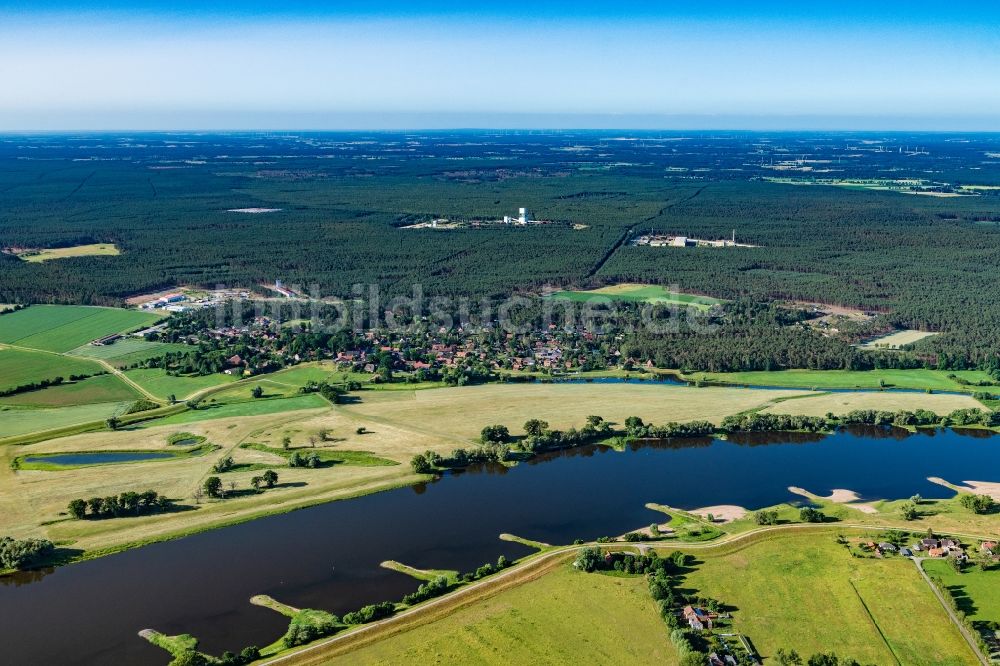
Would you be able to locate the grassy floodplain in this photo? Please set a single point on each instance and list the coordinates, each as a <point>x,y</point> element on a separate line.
<point>562,617</point>
<point>61,328</point>
<point>793,590</point>
<point>644,293</point>
<point>936,380</point>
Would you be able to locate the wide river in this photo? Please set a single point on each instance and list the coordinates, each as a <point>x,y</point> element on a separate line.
<point>328,556</point>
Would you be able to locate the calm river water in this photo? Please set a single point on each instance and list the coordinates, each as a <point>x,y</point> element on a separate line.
<point>327,556</point>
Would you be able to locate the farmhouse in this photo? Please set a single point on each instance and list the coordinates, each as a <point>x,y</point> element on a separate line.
<point>697,618</point>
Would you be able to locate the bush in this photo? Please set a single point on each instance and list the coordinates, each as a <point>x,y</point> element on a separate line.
<point>765,517</point>
<point>977,503</point>
<point>495,434</point>
<point>809,515</point>
<point>370,613</point>
<point>18,554</point>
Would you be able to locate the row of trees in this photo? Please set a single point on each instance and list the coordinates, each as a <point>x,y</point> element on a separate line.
<point>213,486</point>
<point>44,383</point>
<point>115,506</point>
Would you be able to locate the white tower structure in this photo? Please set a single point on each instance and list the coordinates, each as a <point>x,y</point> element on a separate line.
<point>523,217</point>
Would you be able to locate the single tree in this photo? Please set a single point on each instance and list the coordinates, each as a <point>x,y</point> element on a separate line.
<point>78,508</point>
<point>270,478</point>
<point>213,486</point>
<point>257,392</point>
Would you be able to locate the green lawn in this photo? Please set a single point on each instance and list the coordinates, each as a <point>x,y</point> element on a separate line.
<point>806,592</point>
<point>105,388</point>
<point>162,385</point>
<point>250,408</point>
<point>977,592</point>
<point>21,420</point>
<point>19,366</point>
<point>639,292</point>
<point>61,328</point>
<point>846,379</point>
<point>564,617</point>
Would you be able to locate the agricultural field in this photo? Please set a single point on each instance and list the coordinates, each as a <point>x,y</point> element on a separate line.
<point>101,389</point>
<point>643,293</point>
<point>936,380</point>
<point>21,420</point>
<point>22,366</point>
<point>162,385</point>
<point>808,594</point>
<point>133,349</point>
<point>92,250</point>
<point>563,617</point>
<point>61,328</point>
<point>897,339</point>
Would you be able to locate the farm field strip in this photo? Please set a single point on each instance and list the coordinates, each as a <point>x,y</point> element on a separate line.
<point>22,366</point>
<point>22,420</point>
<point>63,328</point>
<point>126,347</point>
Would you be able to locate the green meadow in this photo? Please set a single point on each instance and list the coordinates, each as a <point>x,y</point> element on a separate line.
<point>162,385</point>
<point>936,380</point>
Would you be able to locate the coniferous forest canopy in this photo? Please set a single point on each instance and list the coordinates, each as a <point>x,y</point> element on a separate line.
<point>927,260</point>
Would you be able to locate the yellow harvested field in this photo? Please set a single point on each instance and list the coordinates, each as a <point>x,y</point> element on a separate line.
<point>897,339</point>
<point>461,413</point>
<point>840,403</point>
<point>93,250</point>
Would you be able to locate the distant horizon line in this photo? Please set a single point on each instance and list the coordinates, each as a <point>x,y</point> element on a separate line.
<point>644,130</point>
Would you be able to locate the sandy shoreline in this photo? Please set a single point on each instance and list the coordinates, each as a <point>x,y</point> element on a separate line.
<point>991,488</point>
<point>840,496</point>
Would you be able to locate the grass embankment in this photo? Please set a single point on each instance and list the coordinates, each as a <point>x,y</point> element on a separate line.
<point>419,574</point>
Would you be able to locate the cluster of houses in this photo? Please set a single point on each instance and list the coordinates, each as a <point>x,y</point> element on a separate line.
<point>552,350</point>
<point>932,547</point>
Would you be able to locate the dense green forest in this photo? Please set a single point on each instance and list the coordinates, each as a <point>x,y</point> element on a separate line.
<point>925,261</point>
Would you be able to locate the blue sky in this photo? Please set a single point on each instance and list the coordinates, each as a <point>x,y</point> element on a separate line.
<point>316,65</point>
